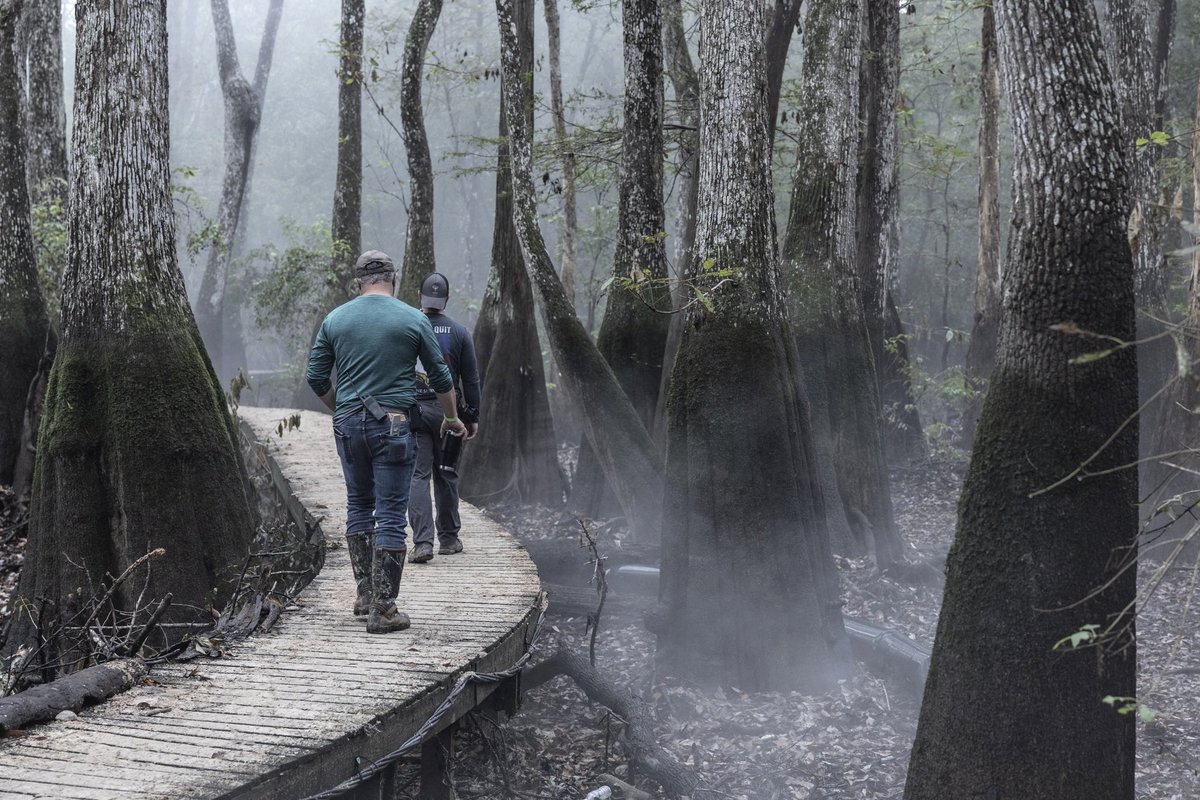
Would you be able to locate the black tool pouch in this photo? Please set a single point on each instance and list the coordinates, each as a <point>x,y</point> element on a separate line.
<point>373,407</point>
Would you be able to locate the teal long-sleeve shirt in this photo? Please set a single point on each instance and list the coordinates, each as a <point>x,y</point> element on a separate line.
<point>374,342</point>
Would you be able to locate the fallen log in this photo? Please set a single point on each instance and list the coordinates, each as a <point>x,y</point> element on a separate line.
<point>70,693</point>
<point>644,750</point>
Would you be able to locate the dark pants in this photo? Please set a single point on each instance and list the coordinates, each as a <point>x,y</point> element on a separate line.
<point>445,484</point>
<point>377,463</point>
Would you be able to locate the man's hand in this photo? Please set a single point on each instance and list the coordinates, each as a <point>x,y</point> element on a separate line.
<point>472,429</point>
<point>455,426</point>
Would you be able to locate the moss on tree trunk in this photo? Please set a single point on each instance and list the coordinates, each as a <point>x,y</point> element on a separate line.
<point>137,449</point>
<point>1005,713</point>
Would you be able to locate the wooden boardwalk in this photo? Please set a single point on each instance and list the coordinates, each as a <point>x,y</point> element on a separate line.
<point>298,710</point>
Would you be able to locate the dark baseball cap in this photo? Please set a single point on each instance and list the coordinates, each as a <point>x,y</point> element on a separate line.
<point>435,291</point>
<point>373,262</point>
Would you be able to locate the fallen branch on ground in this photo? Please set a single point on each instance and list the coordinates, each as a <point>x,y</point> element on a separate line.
<point>71,693</point>
<point>644,750</point>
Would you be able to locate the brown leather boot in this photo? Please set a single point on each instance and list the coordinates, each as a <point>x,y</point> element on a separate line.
<point>386,570</point>
<point>361,547</point>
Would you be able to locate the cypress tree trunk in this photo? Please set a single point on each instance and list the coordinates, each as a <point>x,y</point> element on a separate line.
<point>23,321</point>
<point>878,229</point>
<point>686,85</point>
<point>981,353</point>
<point>39,63</point>
<point>243,111</point>
<point>419,258</point>
<point>138,450</point>
<point>1004,713</point>
<point>346,223</point>
<point>1140,82</point>
<point>749,588</point>
<point>515,455</point>
<point>567,156</point>
<point>820,251</point>
<point>1175,440</point>
<point>633,335</point>
<point>629,460</point>
<point>779,41</point>
<point>45,109</point>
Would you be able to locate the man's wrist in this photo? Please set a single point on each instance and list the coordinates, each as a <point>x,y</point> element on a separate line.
<point>449,419</point>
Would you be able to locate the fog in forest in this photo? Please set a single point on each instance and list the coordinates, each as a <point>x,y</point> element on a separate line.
<point>871,434</point>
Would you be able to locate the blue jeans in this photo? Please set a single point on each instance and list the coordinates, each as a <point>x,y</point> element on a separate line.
<point>377,463</point>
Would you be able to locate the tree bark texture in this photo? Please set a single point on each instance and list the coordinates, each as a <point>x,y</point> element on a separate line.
<point>567,156</point>
<point>243,111</point>
<point>820,251</point>
<point>1029,568</point>
<point>23,320</point>
<point>686,86</point>
<point>515,456</point>
<point>981,352</point>
<point>1133,49</point>
<point>138,450</point>
<point>419,257</point>
<point>879,229</point>
<point>749,590</point>
<point>779,42</point>
<point>630,462</point>
<point>40,62</point>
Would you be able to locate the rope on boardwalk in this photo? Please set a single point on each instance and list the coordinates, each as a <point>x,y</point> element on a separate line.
<point>431,724</point>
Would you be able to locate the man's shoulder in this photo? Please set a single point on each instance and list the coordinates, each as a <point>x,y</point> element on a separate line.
<point>443,323</point>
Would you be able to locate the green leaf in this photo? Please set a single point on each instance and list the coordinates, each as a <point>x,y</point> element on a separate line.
<point>705,300</point>
<point>1147,714</point>
<point>1088,358</point>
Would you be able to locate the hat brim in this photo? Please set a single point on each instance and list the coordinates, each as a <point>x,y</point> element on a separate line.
<point>433,302</point>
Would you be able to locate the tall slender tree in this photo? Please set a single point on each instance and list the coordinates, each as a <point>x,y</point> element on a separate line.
<point>138,450</point>
<point>821,252</point>
<point>1035,557</point>
<point>243,112</point>
<point>630,462</point>
<point>419,258</point>
<point>981,352</point>
<point>570,225</point>
<point>346,227</point>
<point>749,588</point>
<point>346,223</point>
<point>878,228</point>
<point>1134,48</point>
<point>23,320</point>
<point>515,455</point>
<point>686,86</point>
<point>40,62</point>
<point>779,41</point>
<point>633,335</point>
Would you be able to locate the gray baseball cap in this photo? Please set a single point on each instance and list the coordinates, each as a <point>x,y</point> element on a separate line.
<point>373,262</point>
<point>435,291</point>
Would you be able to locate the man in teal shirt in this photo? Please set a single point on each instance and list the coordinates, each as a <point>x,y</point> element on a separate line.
<point>374,341</point>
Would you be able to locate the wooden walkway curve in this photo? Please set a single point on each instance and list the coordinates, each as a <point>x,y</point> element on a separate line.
<point>293,712</point>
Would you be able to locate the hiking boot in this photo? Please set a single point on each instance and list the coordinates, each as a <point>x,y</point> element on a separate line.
<point>450,546</point>
<point>422,552</point>
<point>361,547</point>
<point>386,570</point>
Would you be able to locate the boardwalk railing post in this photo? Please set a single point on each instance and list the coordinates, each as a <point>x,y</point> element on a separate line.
<point>436,754</point>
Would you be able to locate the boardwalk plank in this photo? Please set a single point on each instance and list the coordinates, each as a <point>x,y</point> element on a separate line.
<point>291,710</point>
